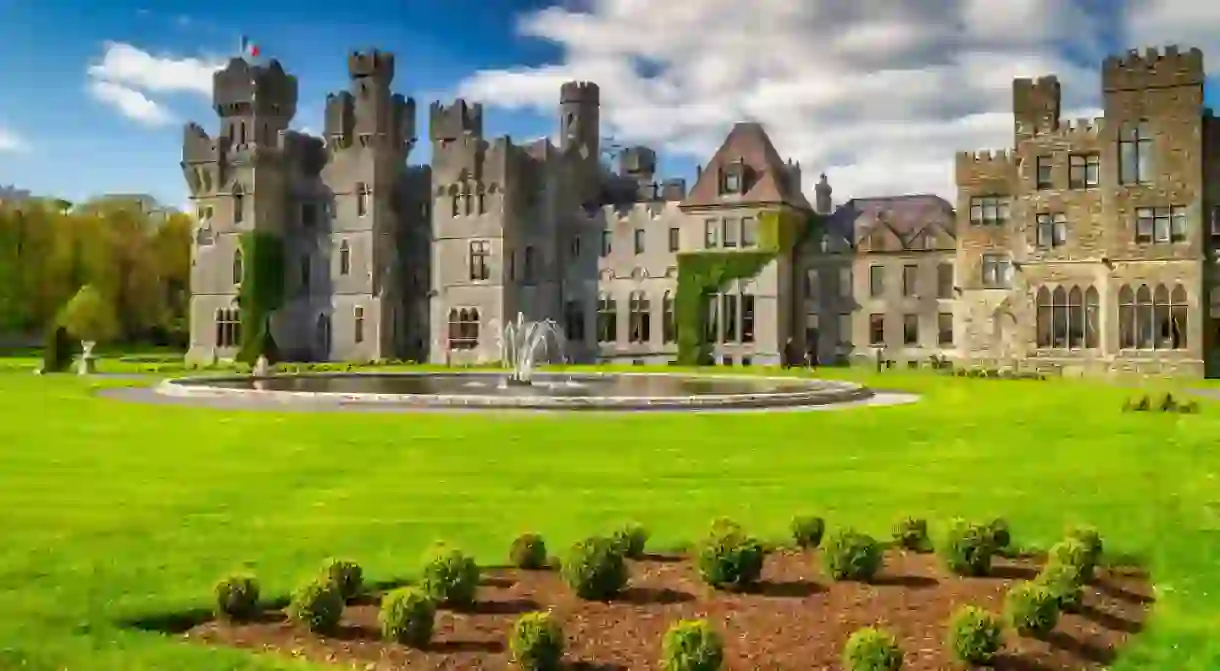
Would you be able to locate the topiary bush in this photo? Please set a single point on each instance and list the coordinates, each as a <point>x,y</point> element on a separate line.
<point>450,578</point>
<point>407,616</point>
<point>911,533</point>
<point>528,552</point>
<point>1075,554</point>
<point>536,642</point>
<point>347,576</point>
<point>1001,535</point>
<point>318,606</point>
<point>974,636</point>
<point>692,645</point>
<point>1091,539</point>
<point>595,569</point>
<point>237,597</point>
<point>807,531</point>
<point>1064,583</point>
<point>968,548</point>
<point>851,555</point>
<point>871,649</point>
<point>1031,610</point>
<point>728,558</point>
<point>631,539</point>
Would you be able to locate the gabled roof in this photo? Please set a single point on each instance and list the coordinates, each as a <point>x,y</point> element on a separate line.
<point>905,216</point>
<point>748,142</point>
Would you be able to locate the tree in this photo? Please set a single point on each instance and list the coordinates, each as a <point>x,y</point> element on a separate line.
<point>89,316</point>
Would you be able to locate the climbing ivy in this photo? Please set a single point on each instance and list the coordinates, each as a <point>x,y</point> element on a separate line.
<point>705,272</point>
<point>261,293</point>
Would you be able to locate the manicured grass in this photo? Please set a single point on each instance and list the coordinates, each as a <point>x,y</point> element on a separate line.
<point>116,511</point>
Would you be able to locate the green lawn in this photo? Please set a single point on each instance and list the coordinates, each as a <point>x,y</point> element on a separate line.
<point>115,511</point>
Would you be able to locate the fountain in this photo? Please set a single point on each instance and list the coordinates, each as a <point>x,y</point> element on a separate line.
<point>523,345</point>
<point>522,341</point>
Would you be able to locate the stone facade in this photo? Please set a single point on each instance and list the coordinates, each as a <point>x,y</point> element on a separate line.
<point>1084,247</point>
<point>1042,261</point>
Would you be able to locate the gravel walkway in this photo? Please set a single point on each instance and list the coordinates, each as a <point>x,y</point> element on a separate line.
<point>150,395</point>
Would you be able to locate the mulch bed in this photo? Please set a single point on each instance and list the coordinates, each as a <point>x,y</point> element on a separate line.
<point>797,619</point>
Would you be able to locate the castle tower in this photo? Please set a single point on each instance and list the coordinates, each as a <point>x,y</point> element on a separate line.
<point>580,139</point>
<point>370,132</point>
<point>238,183</point>
<point>1035,106</point>
<point>822,203</point>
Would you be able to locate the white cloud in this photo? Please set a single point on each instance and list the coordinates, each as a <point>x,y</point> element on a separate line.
<point>10,141</point>
<point>131,103</point>
<point>135,68</point>
<point>878,94</point>
<point>125,76</point>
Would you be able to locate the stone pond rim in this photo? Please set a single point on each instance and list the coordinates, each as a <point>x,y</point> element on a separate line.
<point>481,390</point>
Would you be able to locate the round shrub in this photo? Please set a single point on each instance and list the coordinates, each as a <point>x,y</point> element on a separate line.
<point>974,636</point>
<point>911,533</point>
<point>1075,554</point>
<point>450,578</point>
<point>692,645</point>
<point>1031,610</point>
<point>1064,583</point>
<point>347,576</point>
<point>631,539</point>
<point>407,617</point>
<point>536,642</point>
<point>728,558</point>
<point>872,649</point>
<point>528,551</point>
<point>1001,535</point>
<point>595,569</point>
<point>1091,539</point>
<point>968,548</point>
<point>807,531</point>
<point>318,606</point>
<point>237,597</point>
<point>851,555</point>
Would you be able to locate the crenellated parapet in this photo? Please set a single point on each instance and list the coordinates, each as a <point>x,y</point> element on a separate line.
<point>241,87</point>
<point>987,164</point>
<point>198,146</point>
<point>340,118</point>
<point>447,123</point>
<point>1076,129</point>
<point>373,64</point>
<point>1153,68</point>
<point>580,92</point>
<point>402,119</point>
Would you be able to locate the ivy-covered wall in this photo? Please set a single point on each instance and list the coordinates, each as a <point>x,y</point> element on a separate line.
<point>705,272</point>
<point>261,293</point>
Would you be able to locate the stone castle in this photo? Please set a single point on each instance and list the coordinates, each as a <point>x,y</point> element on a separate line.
<point>1083,248</point>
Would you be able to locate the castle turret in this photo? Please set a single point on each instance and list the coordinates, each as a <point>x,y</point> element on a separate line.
<point>254,102</point>
<point>580,117</point>
<point>1035,106</point>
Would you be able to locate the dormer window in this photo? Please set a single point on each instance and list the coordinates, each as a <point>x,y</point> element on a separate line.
<point>732,182</point>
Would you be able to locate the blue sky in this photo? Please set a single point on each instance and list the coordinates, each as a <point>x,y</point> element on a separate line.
<point>78,146</point>
<point>878,94</point>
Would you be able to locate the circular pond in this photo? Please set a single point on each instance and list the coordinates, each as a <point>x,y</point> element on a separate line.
<point>546,391</point>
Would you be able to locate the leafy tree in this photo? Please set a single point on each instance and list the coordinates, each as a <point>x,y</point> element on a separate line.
<point>89,316</point>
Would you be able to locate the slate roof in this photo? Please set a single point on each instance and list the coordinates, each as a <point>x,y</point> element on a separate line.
<point>906,216</point>
<point>749,143</point>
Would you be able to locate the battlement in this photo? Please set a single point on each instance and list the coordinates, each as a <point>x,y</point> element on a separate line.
<point>1153,68</point>
<point>994,156</point>
<point>450,122</point>
<point>1080,127</point>
<point>241,87</point>
<point>198,146</point>
<point>580,92</point>
<point>373,63</point>
<point>638,160</point>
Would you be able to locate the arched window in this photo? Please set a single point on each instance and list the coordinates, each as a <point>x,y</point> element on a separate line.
<point>321,334</point>
<point>345,258</point>
<point>1178,314</point>
<point>482,198</point>
<point>362,199</point>
<point>669,324</point>
<point>574,321</point>
<point>639,317</point>
<point>1044,317</point>
<point>607,319</point>
<point>463,328</point>
<point>238,266</point>
<point>1143,318</point>
<point>1126,318</point>
<point>1092,318</point>
<point>1059,325</point>
<point>1075,318</point>
<point>358,324</point>
<point>455,200</point>
<point>239,204</point>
